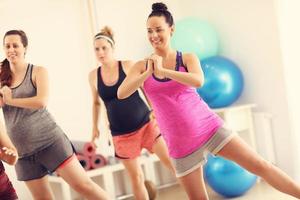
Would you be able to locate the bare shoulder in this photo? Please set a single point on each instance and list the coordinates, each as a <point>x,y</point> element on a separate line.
<point>39,73</point>
<point>136,67</point>
<point>187,57</point>
<point>93,74</point>
<point>140,65</point>
<point>39,70</point>
<point>127,64</point>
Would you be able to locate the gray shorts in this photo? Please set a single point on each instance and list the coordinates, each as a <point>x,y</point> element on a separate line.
<point>191,162</point>
<point>45,161</point>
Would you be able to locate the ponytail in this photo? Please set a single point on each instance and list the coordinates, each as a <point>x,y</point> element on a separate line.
<point>5,73</point>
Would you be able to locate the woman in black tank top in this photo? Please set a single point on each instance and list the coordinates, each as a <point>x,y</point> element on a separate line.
<point>129,119</point>
<point>24,93</point>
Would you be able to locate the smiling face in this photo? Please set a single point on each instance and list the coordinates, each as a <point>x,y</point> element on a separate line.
<point>14,48</point>
<point>103,50</point>
<point>159,32</point>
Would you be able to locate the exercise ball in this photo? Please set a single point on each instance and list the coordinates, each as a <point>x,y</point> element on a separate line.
<point>195,36</point>
<point>227,178</point>
<point>223,82</point>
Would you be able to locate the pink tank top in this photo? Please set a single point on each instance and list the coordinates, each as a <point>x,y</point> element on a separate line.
<point>185,120</point>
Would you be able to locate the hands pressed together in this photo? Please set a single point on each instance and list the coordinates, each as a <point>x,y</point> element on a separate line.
<point>6,95</point>
<point>154,63</point>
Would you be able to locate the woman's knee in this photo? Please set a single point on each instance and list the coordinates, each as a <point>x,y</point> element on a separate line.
<point>260,167</point>
<point>39,190</point>
<point>43,196</point>
<point>83,187</point>
<point>137,178</point>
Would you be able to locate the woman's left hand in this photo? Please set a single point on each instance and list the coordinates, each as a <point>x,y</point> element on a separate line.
<point>8,155</point>
<point>159,71</point>
<point>6,94</point>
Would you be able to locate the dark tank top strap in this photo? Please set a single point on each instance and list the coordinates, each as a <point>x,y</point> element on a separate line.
<point>99,77</point>
<point>179,61</point>
<point>122,73</point>
<point>30,74</point>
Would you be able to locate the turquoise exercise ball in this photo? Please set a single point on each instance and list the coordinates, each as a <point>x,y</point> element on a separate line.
<point>227,178</point>
<point>195,36</point>
<point>223,82</point>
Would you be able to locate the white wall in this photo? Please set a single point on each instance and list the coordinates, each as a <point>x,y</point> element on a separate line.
<point>288,15</point>
<point>128,20</point>
<point>249,35</point>
<point>57,32</point>
<point>60,40</point>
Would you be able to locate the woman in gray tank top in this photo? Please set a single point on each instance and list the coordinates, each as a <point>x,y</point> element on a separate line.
<point>42,146</point>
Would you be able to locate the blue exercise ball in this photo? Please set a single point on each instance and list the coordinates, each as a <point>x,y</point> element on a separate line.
<point>227,178</point>
<point>197,36</point>
<point>223,82</point>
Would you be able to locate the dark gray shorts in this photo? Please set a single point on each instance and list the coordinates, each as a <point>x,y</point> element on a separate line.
<point>45,161</point>
<point>193,161</point>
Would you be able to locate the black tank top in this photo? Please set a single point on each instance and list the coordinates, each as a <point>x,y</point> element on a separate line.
<point>124,115</point>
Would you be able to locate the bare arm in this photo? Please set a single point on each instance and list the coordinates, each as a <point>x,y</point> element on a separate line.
<point>127,65</point>
<point>40,79</point>
<point>152,116</point>
<point>95,105</point>
<point>147,99</point>
<point>194,77</point>
<point>134,79</point>
<point>8,152</point>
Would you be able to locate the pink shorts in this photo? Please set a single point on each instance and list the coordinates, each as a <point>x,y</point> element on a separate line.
<point>129,146</point>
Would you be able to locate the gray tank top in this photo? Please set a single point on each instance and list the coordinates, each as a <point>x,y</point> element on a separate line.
<point>31,130</point>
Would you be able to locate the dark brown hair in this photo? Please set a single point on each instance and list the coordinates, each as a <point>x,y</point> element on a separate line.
<point>160,9</point>
<point>5,72</point>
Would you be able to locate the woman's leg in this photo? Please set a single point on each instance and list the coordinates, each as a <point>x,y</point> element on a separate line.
<point>194,185</point>
<point>137,178</point>
<point>76,177</point>
<point>40,189</point>
<point>238,151</point>
<point>161,150</point>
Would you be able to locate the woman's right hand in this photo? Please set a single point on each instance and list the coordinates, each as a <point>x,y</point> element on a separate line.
<point>150,67</point>
<point>95,136</point>
<point>6,94</point>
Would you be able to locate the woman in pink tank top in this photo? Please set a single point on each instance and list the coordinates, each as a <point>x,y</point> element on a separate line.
<point>187,124</point>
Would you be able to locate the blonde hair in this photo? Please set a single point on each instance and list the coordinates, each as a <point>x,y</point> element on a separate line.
<point>106,33</point>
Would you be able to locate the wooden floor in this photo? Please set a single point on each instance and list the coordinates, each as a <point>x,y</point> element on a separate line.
<point>261,191</point>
